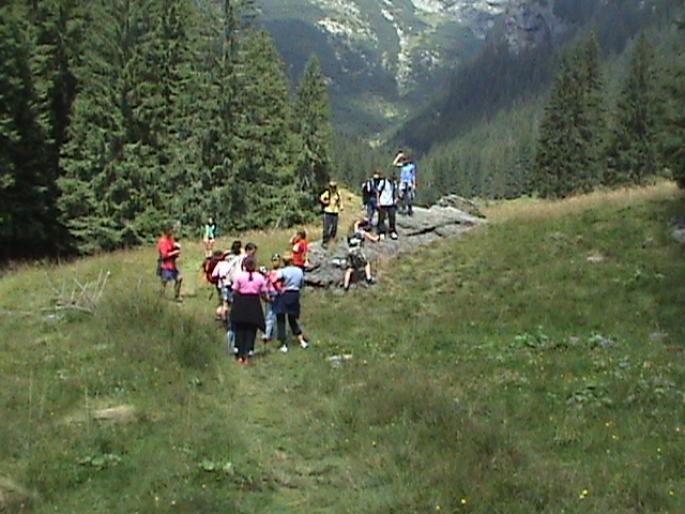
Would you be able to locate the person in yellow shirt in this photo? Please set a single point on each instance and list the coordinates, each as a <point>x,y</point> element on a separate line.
<point>332,206</point>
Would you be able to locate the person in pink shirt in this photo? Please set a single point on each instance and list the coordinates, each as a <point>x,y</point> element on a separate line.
<point>249,287</point>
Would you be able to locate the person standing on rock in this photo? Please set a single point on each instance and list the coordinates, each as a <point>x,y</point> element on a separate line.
<point>300,249</point>
<point>247,316</point>
<point>369,197</point>
<point>288,302</point>
<point>387,206</point>
<point>407,190</point>
<point>332,206</point>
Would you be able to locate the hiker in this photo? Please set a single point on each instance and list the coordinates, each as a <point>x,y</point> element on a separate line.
<point>273,288</point>
<point>356,261</point>
<point>210,236</point>
<point>362,229</point>
<point>169,250</point>
<point>300,249</point>
<point>208,266</point>
<point>247,316</point>
<point>369,197</point>
<point>250,251</point>
<point>407,189</point>
<point>332,206</point>
<point>223,275</point>
<point>387,206</point>
<point>227,270</point>
<point>288,302</point>
<point>399,158</point>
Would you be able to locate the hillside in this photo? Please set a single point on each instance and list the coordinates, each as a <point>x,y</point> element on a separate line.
<point>536,365</point>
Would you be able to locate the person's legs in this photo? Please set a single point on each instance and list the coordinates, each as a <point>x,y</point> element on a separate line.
<point>270,321</point>
<point>348,276</point>
<point>251,335</point>
<point>280,329</point>
<point>334,226</point>
<point>177,286</point>
<point>380,228</point>
<point>391,221</point>
<point>241,339</point>
<point>297,331</point>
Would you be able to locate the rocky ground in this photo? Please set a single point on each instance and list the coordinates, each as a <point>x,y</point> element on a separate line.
<point>424,227</point>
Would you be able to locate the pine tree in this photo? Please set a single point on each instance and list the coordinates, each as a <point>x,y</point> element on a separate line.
<point>313,122</point>
<point>265,146</point>
<point>26,202</point>
<point>632,155</point>
<point>673,132</point>
<point>572,131</point>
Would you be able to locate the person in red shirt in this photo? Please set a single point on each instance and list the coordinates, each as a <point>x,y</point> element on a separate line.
<point>300,249</point>
<point>169,250</point>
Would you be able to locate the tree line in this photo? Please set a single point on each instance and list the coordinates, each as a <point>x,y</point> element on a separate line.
<point>120,116</point>
<point>603,123</point>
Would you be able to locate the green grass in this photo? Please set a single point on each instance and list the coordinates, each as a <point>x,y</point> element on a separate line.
<point>502,372</point>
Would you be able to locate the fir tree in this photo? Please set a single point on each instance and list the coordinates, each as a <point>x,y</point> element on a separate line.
<point>313,122</point>
<point>265,146</point>
<point>632,151</point>
<point>673,133</point>
<point>26,202</point>
<point>572,130</point>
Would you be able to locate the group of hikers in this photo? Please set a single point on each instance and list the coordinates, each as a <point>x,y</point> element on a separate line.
<point>242,287</point>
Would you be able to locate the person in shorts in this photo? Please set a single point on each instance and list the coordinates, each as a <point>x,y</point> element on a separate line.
<point>356,261</point>
<point>169,250</point>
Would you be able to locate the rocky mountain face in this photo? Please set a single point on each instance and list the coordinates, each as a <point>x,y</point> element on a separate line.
<point>385,56</point>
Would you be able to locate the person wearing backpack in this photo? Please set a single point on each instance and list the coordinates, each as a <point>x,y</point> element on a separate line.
<point>225,272</point>
<point>387,206</point>
<point>369,198</point>
<point>332,206</point>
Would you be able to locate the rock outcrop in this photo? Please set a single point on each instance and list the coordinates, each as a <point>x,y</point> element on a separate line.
<point>424,227</point>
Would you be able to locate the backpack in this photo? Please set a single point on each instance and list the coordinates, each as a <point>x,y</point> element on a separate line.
<point>368,190</point>
<point>208,267</point>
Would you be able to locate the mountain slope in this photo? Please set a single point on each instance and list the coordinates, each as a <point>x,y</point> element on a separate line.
<point>382,57</point>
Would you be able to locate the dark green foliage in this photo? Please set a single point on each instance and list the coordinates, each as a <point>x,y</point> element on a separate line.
<point>572,130</point>
<point>632,155</point>
<point>313,122</point>
<point>26,176</point>
<point>673,132</point>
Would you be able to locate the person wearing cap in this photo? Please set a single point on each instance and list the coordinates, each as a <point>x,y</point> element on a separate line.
<point>332,206</point>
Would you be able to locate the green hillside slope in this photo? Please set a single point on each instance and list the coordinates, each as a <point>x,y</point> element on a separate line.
<point>536,365</point>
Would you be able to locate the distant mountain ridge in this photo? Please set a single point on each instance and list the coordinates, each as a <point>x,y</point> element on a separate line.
<point>386,57</point>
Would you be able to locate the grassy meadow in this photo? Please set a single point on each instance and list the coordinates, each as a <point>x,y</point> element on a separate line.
<point>535,365</point>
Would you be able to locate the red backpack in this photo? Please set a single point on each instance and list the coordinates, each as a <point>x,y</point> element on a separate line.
<point>208,267</point>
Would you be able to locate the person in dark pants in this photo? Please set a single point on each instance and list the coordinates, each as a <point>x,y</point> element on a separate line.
<point>288,302</point>
<point>332,206</point>
<point>249,287</point>
<point>387,206</point>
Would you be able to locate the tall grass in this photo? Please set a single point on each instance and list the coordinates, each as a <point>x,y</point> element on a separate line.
<point>502,372</point>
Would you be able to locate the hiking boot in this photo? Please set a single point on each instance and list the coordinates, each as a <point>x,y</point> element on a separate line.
<point>381,237</point>
<point>393,236</point>
<point>284,348</point>
<point>304,343</point>
<point>371,280</point>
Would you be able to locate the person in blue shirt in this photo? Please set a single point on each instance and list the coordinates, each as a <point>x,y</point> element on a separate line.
<point>407,186</point>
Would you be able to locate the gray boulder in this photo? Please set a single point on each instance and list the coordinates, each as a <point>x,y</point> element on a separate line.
<point>462,204</point>
<point>424,227</point>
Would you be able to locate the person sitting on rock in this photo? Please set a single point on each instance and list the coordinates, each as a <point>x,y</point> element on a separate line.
<point>363,229</point>
<point>356,261</point>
